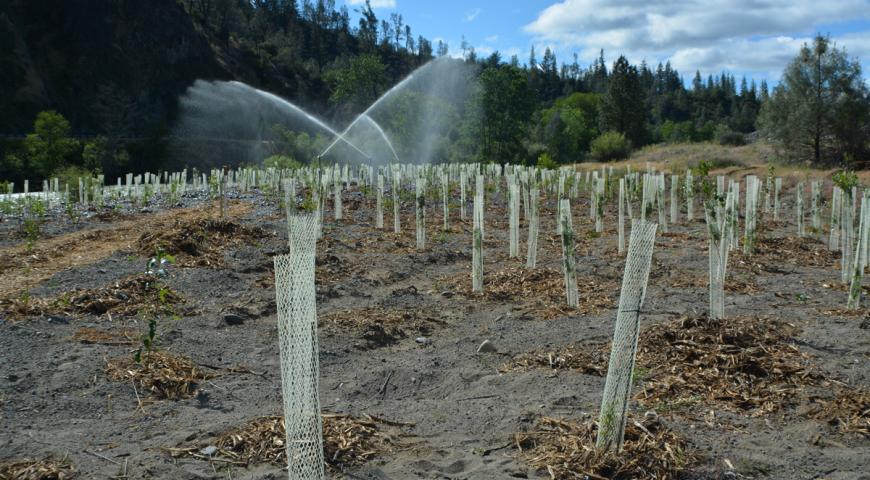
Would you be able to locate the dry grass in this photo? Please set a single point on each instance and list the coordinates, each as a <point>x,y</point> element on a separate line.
<point>566,450</point>
<point>346,441</point>
<point>29,469</point>
<point>161,374</point>
<point>198,242</point>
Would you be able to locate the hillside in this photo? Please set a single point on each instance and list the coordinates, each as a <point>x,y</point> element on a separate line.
<point>110,67</point>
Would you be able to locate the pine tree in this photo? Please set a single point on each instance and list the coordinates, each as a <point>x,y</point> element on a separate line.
<point>622,108</point>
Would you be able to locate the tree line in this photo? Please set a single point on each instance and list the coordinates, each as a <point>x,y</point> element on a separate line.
<point>537,111</point>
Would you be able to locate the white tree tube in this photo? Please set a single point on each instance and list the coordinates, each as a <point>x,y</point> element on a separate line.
<point>532,247</point>
<point>620,226</point>
<point>477,245</point>
<point>420,212</point>
<point>568,263</point>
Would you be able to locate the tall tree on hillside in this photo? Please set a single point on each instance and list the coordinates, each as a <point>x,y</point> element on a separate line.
<point>368,28</point>
<point>49,146</point>
<point>819,111</point>
<point>360,84</point>
<point>622,108</point>
<point>507,105</point>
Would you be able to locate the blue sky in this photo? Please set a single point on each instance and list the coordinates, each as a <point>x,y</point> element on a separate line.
<point>756,38</point>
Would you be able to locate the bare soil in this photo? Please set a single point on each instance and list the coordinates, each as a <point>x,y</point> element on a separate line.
<point>399,330</point>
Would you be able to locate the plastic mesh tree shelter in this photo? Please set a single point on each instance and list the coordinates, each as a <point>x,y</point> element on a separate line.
<point>297,337</point>
<point>617,386</point>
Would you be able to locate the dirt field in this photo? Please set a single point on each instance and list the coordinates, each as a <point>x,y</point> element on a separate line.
<point>753,397</point>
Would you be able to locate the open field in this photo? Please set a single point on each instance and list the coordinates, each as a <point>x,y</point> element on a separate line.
<point>780,389</point>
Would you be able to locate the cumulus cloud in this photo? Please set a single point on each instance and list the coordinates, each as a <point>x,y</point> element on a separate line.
<point>375,3</point>
<point>749,35</point>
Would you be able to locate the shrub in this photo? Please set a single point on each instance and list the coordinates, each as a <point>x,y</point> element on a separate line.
<point>611,146</point>
<point>678,132</point>
<point>546,161</point>
<point>49,145</point>
<point>726,136</point>
<point>70,176</point>
<point>281,162</point>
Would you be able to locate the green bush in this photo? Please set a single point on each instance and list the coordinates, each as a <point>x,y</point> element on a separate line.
<point>546,161</point>
<point>50,144</point>
<point>726,136</point>
<point>70,176</point>
<point>678,132</point>
<point>611,146</point>
<point>281,162</point>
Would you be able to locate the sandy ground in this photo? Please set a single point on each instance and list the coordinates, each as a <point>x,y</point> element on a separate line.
<point>56,398</point>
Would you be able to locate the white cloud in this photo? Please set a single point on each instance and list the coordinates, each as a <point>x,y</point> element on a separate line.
<point>472,14</point>
<point>747,35</point>
<point>491,39</point>
<point>375,3</point>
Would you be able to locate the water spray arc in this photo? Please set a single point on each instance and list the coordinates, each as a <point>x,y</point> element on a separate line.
<point>365,114</point>
<point>315,120</point>
<point>384,135</point>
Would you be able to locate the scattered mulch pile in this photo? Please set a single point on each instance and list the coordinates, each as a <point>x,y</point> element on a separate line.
<point>566,450</point>
<point>163,375</point>
<point>848,411</point>
<point>587,359</point>
<point>199,242</point>
<point>739,364</point>
<point>541,289</point>
<point>103,337</point>
<point>803,251</point>
<point>28,469</point>
<point>379,326</point>
<point>346,441</point>
<point>127,297</point>
<point>744,286</point>
<point>330,269</point>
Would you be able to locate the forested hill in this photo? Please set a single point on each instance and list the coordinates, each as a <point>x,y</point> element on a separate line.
<point>116,67</point>
<point>95,84</point>
<point>109,66</point>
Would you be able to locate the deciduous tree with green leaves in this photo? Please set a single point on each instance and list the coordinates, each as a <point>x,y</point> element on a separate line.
<point>50,144</point>
<point>507,105</point>
<point>360,83</point>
